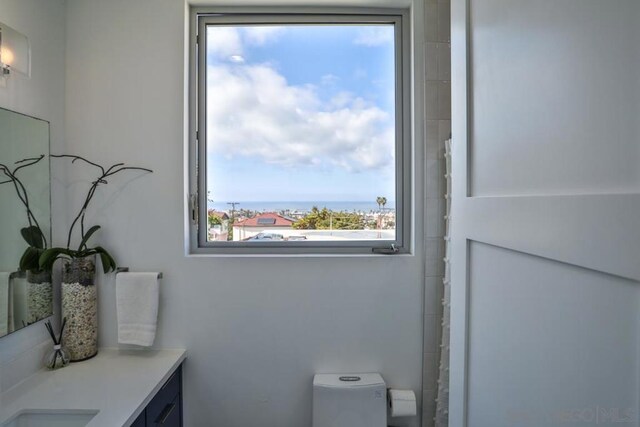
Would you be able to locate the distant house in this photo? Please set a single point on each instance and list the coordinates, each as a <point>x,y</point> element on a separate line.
<point>264,226</point>
<point>221,215</point>
<point>218,231</point>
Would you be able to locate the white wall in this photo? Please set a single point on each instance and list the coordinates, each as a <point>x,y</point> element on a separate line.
<point>41,96</point>
<point>256,328</point>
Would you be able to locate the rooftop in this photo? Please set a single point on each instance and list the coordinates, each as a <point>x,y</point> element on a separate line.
<point>267,219</point>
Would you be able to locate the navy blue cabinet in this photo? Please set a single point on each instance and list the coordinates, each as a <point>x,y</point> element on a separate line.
<point>141,421</point>
<point>165,409</point>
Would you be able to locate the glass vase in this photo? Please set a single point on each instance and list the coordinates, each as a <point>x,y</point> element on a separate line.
<point>57,358</point>
<point>80,307</point>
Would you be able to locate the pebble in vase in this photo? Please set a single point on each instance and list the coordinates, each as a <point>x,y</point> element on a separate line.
<point>39,295</point>
<point>80,307</point>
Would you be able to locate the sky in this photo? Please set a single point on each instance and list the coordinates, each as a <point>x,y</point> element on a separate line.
<point>300,113</point>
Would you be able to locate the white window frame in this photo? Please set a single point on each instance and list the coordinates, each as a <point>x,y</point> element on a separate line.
<point>200,17</point>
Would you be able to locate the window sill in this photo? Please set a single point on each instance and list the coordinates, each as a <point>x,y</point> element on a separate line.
<point>302,255</point>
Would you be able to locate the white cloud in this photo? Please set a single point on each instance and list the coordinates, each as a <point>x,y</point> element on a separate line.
<point>228,43</point>
<point>374,36</point>
<point>329,79</point>
<point>342,99</point>
<point>224,42</point>
<point>253,111</point>
<point>261,35</point>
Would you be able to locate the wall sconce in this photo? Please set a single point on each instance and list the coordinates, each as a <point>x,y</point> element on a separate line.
<point>15,53</point>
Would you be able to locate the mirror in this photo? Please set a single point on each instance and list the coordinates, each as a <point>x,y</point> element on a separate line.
<point>25,296</point>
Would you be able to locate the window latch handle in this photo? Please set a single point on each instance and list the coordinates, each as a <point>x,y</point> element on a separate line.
<point>386,251</point>
<point>193,208</point>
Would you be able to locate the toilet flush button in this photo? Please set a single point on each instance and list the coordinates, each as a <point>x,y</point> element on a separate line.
<point>350,378</point>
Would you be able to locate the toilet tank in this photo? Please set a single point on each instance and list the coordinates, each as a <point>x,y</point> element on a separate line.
<point>349,400</point>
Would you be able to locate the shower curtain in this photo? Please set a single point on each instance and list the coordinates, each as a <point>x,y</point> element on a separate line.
<point>442,399</point>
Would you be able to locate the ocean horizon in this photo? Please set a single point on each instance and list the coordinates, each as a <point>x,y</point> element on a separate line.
<point>305,206</point>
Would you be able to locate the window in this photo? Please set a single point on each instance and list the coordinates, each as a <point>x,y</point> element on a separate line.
<point>301,132</point>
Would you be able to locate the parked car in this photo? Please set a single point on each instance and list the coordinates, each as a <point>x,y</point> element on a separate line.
<point>266,236</point>
<point>290,238</point>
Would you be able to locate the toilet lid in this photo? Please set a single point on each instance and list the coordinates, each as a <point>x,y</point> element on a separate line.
<point>347,380</point>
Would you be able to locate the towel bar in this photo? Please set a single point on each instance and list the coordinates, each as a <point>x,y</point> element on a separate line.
<point>126,269</point>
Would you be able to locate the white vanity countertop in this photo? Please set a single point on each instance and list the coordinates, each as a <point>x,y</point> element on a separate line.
<point>117,383</point>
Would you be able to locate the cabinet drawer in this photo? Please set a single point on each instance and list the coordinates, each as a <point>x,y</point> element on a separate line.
<point>165,397</point>
<point>169,416</point>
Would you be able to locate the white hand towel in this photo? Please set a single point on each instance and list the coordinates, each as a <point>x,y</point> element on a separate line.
<point>4,303</point>
<point>137,298</point>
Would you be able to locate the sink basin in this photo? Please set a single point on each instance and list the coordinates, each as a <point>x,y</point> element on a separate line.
<point>50,418</point>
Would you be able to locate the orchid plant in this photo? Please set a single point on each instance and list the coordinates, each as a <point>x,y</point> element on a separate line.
<point>49,256</point>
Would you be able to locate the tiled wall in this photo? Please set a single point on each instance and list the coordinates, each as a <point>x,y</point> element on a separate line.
<point>438,128</point>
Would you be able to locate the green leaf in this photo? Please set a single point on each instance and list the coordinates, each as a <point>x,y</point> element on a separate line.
<point>108,263</point>
<point>87,236</point>
<point>30,259</point>
<point>33,236</point>
<point>49,257</point>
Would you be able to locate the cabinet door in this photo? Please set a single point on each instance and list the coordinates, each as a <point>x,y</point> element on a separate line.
<point>170,415</point>
<point>165,397</point>
<point>141,421</point>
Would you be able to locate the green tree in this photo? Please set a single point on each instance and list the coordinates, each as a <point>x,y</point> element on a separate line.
<point>313,220</point>
<point>381,201</point>
<point>213,219</point>
<point>324,219</point>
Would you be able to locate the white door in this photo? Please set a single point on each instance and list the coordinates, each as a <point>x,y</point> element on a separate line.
<point>545,306</point>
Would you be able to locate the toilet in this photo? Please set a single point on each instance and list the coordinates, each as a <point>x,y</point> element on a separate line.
<point>349,400</point>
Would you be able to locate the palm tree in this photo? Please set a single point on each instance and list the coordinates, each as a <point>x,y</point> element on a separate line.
<point>381,201</point>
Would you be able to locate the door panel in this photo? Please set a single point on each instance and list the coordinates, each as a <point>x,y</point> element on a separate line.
<point>545,213</point>
<point>539,328</point>
<point>559,79</point>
